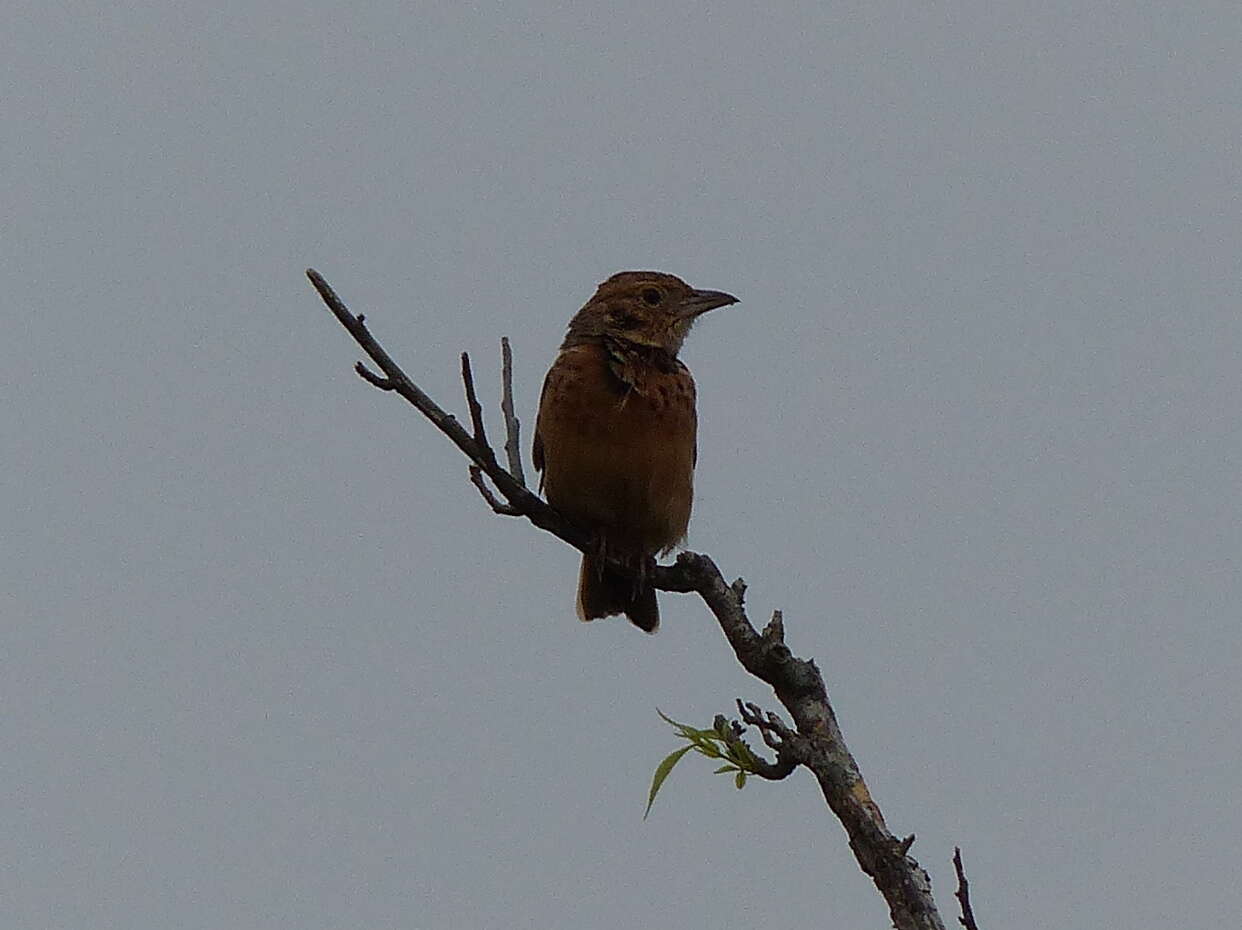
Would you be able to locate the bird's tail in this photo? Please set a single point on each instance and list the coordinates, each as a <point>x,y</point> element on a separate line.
<point>603,592</point>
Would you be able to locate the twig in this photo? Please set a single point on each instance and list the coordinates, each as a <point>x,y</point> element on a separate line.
<point>797,682</point>
<point>534,509</point>
<point>789,748</point>
<point>498,506</point>
<point>962,894</point>
<point>384,384</point>
<point>472,401</point>
<point>513,428</point>
<point>773,730</point>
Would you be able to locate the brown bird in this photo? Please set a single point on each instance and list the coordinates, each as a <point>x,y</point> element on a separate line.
<point>615,437</point>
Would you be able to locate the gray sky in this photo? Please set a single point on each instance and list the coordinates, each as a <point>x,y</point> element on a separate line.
<point>269,662</point>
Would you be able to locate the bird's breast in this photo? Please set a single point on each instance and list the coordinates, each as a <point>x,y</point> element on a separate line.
<point>619,454</point>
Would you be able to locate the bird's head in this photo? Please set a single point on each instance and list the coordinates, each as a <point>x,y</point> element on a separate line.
<point>647,308</point>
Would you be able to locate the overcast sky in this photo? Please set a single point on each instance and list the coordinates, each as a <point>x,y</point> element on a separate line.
<point>269,662</point>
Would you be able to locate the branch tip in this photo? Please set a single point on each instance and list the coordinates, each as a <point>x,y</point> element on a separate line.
<point>472,401</point>
<point>513,427</point>
<point>384,384</point>
<point>498,506</point>
<point>967,920</point>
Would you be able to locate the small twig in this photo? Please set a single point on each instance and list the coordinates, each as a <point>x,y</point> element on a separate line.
<point>773,730</point>
<point>472,401</point>
<point>518,496</point>
<point>962,894</point>
<point>513,428</point>
<point>776,736</point>
<point>384,384</point>
<point>498,506</point>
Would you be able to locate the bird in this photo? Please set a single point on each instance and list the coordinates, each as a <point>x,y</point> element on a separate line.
<point>615,438</point>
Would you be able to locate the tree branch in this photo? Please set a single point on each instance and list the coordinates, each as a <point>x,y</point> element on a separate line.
<point>962,894</point>
<point>513,428</point>
<point>798,685</point>
<point>505,510</point>
<point>472,401</point>
<point>790,750</point>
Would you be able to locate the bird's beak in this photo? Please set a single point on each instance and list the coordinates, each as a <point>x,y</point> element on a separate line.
<point>701,301</point>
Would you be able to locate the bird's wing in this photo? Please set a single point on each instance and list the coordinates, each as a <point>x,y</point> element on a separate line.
<point>536,451</point>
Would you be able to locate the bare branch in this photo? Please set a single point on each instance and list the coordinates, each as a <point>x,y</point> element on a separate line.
<point>476,478</point>
<point>770,726</point>
<point>384,384</point>
<point>962,894</point>
<point>797,682</point>
<point>472,401</point>
<point>518,496</point>
<point>513,428</point>
<point>788,745</point>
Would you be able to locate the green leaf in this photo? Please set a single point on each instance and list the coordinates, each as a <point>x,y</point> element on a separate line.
<point>725,768</point>
<point>683,728</point>
<point>746,758</point>
<point>740,781</point>
<point>661,773</point>
<point>708,749</point>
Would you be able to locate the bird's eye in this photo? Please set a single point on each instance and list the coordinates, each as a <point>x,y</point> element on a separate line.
<point>651,296</point>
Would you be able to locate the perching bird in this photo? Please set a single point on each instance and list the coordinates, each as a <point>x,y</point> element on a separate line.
<point>615,437</point>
